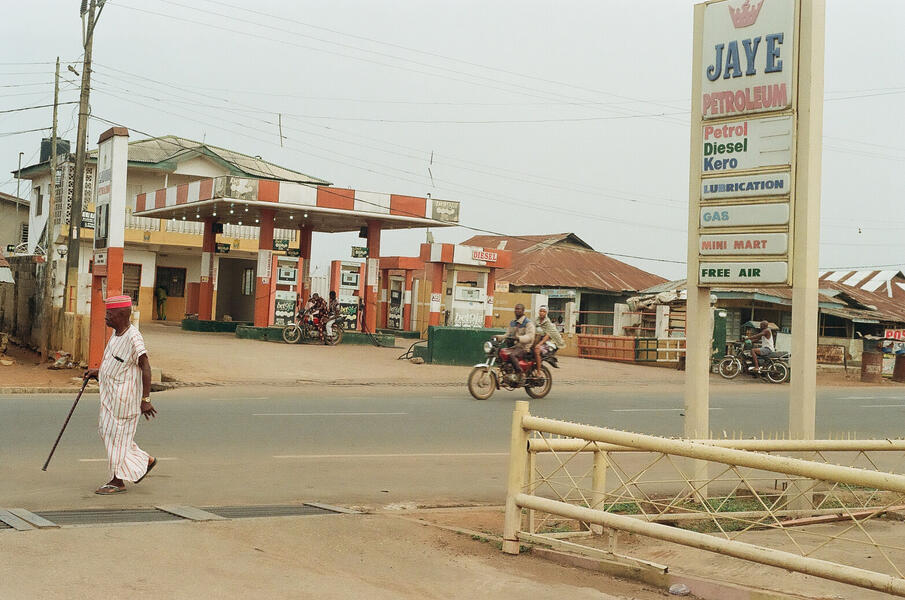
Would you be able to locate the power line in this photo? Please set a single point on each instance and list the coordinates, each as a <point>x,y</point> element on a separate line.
<point>486,82</point>
<point>12,110</point>
<point>484,169</point>
<point>328,190</point>
<point>11,133</point>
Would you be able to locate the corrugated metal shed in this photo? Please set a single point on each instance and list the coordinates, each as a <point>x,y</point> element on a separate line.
<point>564,260</point>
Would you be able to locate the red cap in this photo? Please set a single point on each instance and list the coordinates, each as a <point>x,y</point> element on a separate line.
<point>118,302</point>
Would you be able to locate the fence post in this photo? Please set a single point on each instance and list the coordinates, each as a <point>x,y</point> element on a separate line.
<point>530,485</point>
<point>598,486</point>
<point>518,459</point>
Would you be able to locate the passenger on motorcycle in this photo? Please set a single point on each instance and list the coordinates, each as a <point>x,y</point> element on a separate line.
<point>522,330</point>
<point>767,346</point>
<point>548,338</point>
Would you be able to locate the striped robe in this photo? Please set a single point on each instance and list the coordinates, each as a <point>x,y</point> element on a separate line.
<point>120,390</point>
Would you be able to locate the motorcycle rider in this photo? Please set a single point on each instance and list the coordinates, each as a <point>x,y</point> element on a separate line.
<point>522,330</point>
<point>767,346</point>
<point>549,338</point>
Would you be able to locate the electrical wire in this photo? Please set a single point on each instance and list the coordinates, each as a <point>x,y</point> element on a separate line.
<point>12,110</point>
<point>407,213</point>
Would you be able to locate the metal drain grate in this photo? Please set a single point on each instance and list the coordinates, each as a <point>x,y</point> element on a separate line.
<point>99,516</point>
<point>249,512</point>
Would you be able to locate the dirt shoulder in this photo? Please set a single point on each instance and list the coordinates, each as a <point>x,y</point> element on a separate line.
<point>322,557</point>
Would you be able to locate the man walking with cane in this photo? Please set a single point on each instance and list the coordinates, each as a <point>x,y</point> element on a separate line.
<point>125,390</point>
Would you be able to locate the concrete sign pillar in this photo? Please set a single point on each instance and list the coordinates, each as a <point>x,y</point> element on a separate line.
<point>488,305</point>
<point>757,96</point>
<point>109,233</point>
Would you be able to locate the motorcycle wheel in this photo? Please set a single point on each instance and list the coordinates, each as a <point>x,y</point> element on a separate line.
<point>291,333</point>
<point>482,383</point>
<point>336,335</point>
<point>777,372</point>
<point>543,389</point>
<point>730,367</point>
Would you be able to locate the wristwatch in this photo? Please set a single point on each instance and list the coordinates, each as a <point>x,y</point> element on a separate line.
<point>146,399</point>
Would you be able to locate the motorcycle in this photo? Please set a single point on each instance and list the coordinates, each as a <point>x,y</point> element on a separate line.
<point>306,326</point>
<point>497,372</point>
<point>774,366</point>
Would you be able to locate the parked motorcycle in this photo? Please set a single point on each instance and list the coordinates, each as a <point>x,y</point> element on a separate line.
<point>306,327</point>
<point>497,372</point>
<point>774,366</point>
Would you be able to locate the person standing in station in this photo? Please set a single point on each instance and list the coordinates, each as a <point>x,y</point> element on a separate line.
<point>124,379</point>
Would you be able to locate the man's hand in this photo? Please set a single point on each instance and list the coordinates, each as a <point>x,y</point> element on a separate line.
<point>90,374</point>
<point>148,410</point>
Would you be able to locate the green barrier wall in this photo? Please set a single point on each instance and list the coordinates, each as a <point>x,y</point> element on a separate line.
<point>275,334</point>
<point>215,326</point>
<point>458,345</point>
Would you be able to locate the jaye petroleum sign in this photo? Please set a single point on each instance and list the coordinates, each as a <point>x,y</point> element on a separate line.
<point>747,58</point>
<point>746,144</point>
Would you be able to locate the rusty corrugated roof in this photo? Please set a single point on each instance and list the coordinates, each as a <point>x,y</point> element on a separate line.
<point>564,260</point>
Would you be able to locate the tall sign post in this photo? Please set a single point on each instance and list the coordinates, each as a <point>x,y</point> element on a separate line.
<point>754,189</point>
<point>109,233</point>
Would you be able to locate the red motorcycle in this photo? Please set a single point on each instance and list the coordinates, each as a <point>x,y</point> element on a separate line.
<point>497,372</point>
<point>307,326</point>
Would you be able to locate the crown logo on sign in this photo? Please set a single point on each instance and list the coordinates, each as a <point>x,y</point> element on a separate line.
<point>745,15</point>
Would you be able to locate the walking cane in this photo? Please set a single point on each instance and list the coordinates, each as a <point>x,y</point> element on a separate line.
<point>69,416</point>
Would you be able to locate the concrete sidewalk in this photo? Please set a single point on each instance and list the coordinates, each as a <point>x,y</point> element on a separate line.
<point>319,557</point>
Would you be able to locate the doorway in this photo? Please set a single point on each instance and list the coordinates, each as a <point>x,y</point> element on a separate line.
<point>236,289</point>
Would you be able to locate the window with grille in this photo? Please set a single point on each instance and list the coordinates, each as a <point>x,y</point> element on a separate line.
<point>172,280</point>
<point>248,282</point>
<point>23,233</point>
<point>131,281</point>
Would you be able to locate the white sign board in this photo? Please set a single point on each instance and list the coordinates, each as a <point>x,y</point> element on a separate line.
<point>748,59</point>
<point>746,186</point>
<point>265,267</point>
<point>746,144</point>
<point>745,244</point>
<point>720,273</point>
<point>744,215</point>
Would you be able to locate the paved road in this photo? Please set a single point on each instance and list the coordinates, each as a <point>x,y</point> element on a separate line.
<point>362,444</point>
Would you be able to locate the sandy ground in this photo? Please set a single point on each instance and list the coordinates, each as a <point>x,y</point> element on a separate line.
<point>29,370</point>
<point>690,561</point>
<point>222,359</point>
<point>323,557</point>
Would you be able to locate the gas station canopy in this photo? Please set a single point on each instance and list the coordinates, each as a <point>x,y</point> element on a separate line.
<point>241,200</point>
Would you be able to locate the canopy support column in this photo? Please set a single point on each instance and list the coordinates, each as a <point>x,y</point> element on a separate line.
<point>206,289</point>
<point>407,301</point>
<point>372,276</point>
<point>264,277</point>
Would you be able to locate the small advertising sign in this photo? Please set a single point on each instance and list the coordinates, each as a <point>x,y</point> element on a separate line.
<point>743,272</point>
<point>746,186</point>
<point>280,244</point>
<point>894,334</point>
<point>221,248</point>
<point>445,210</point>
<point>744,215</point>
<point>746,144</point>
<point>284,307</point>
<point>744,244</point>
<point>359,252</point>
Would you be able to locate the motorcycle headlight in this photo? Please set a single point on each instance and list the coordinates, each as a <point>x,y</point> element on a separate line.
<point>487,347</point>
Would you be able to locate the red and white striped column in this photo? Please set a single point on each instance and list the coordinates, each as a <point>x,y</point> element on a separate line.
<point>407,301</point>
<point>206,289</point>
<point>436,292</point>
<point>488,304</point>
<point>372,273</point>
<point>264,279</point>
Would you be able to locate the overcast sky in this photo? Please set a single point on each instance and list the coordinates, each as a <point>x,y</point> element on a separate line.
<point>542,117</point>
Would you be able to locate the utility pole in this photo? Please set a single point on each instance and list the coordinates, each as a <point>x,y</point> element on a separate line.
<point>94,8</point>
<point>51,239</point>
